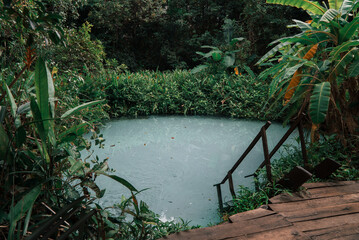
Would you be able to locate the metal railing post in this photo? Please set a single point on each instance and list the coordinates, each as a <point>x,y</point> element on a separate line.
<point>220,200</point>
<point>266,155</point>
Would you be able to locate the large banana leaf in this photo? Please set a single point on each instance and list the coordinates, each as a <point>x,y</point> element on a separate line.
<point>353,70</point>
<point>272,52</point>
<point>347,6</point>
<point>348,30</point>
<point>319,102</point>
<point>330,15</point>
<point>344,61</point>
<point>335,4</point>
<point>335,53</point>
<point>307,5</point>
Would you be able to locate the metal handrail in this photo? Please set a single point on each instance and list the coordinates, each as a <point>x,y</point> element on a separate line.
<point>267,156</point>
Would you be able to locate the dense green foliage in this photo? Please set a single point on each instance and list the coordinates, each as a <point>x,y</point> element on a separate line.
<point>92,48</point>
<point>319,67</point>
<point>177,92</point>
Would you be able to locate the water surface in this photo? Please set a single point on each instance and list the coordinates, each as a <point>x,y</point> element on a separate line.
<point>179,159</point>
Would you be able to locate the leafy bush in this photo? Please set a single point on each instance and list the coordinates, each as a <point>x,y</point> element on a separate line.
<point>80,52</point>
<point>180,92</point>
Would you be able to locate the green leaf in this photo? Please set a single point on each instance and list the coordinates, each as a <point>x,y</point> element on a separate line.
<point>80,107</point>
<point>346,6</point>
<point>307,5</point>
<point>329,15</point>
<point>216,55</point>
<point>272,52</point>
<point>348,30</point>
<point>335,53</point>
<point>229,60</point>
<point>122,181</point>
<point>4,143</point>
<point>38,119</point>
<point>21,207</point>
<point>344,62</point>
<point>303,25</point>
<point>199,68</point>
<point>319,102</point>
<point>20,136</point>
<point>12,105</point>
<point>235,40</point>
<point>42,92</point>
<point>353,70</point>
<point>335,4</point>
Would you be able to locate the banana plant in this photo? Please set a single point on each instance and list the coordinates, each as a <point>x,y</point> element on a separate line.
<point>317,70</point>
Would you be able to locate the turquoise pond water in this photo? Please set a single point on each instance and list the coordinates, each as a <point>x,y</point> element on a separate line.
<point>179,159</point>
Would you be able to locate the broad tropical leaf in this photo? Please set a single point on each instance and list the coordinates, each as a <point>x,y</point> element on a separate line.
<point>347,6</point>
<point>335,53</point>
<point>307,5</point>
<point>199,68</point>
<point>344,61</point>
<point>353,70</point>
<point>335,4</point>
<point>310,54</point>
<point>319,102</point>
<point>272,52</point>
<point>293,85</point>
<point>216,55</point>
<point>329,15</point>
<point>348,30</point>
<point>297,75</point>
<point>303,25</point>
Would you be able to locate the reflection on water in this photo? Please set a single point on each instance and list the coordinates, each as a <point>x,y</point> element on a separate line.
<point>179,159</point>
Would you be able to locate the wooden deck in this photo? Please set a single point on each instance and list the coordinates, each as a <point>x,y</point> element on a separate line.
<point>322,211</point>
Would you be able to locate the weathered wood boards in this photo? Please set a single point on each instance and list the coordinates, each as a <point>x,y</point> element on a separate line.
<point>323,211</point>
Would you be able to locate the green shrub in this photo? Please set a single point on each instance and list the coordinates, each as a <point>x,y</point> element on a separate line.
<point>180,92</point>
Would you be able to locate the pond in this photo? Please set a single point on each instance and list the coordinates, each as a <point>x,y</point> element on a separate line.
<point>179,159</point>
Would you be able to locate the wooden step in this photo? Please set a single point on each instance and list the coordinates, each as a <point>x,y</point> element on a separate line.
<point>234,230</point>
<point>350,231</point>
<point>321,212</point>
<point>252,214</point>
<point>314,203</point>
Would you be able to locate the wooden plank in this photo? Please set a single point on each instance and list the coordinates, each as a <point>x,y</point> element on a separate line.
<point>256,213</point>
<point>233,230</point>
<point>286,233</point>
<point>316,193</point>
<point>335,232</point>
<point>314,203</point>
<point>333,191</point>
<point>290,197</point>
<point>327,184</point>
<point>327,222</point>
<point>322,212</point>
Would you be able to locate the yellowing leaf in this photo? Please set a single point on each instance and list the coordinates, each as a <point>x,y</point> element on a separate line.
<point>292,85</point>
<point>296,77</point>
<point>310,54</point>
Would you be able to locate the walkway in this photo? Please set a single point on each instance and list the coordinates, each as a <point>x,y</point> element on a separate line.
<point>322,211</point>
